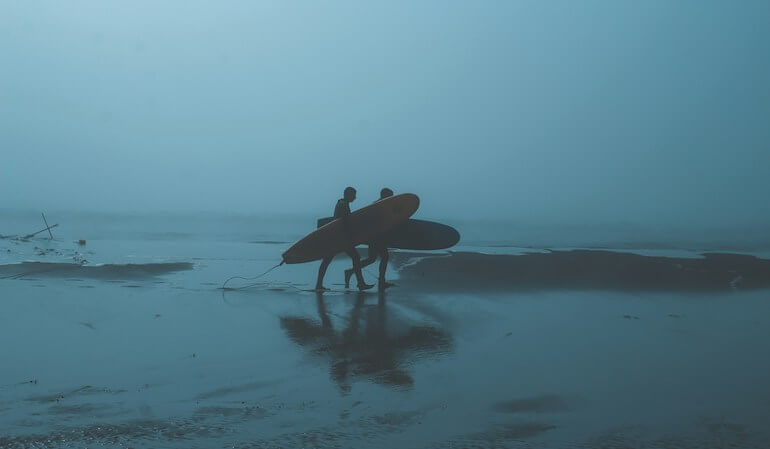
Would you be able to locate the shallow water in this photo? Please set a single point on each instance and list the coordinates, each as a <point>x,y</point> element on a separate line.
<point>160,356</point>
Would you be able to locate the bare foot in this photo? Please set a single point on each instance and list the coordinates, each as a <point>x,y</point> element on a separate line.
<point>382,285</point>
<point>320,288</point>
<point>348,275</point>
<point>362,287</point>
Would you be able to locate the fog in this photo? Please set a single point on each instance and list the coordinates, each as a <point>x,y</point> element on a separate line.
<point>558,112</point>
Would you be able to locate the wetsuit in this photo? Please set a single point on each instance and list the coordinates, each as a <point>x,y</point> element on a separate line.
<point>342,210</point>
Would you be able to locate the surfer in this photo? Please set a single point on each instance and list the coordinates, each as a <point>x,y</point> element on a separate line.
<point>342,210</point>
<point>376,248</point>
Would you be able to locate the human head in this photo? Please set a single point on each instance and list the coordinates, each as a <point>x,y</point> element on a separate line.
<point>385,192</point>
<point>349,194</point>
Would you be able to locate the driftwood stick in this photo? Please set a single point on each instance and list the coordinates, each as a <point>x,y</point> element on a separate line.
<point>38,232</point>
<point>46,225</point>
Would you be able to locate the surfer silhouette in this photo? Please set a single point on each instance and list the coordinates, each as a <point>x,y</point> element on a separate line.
<point>342,210</point>
<point>376,248</point>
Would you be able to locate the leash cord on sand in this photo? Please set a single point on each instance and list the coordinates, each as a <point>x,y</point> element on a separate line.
<point>287,284</point>
<point>224,285</point>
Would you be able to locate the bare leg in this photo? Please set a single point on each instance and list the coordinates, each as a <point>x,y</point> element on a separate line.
<point>362,285</point>
<point>371,257</point>
<point>383,262</point>
<point>383,268</point>
<point>319,283</point>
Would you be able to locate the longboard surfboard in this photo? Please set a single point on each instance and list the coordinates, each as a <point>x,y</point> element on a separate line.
<point>365,225</point>
<point>415,235</point>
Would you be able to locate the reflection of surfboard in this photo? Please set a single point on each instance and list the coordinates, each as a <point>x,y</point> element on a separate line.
<point>366,224</point>
<point>416,235</point>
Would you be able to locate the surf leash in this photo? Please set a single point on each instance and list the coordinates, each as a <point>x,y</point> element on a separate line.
<point>224,285</point>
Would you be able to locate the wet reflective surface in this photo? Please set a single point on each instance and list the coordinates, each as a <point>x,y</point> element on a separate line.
<point>372,343</point>
<point>148,352</point>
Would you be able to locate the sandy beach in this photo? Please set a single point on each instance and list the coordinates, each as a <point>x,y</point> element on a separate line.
<point>536,348</point>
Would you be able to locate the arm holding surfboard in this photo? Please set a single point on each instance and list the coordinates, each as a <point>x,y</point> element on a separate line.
<point>342,210</point>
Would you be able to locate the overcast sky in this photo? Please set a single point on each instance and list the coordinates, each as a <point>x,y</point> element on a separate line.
<point>605,111</point>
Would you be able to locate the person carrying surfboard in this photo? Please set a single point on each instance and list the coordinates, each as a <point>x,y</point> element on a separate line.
<point>377,248</point>
<point>342,210</point>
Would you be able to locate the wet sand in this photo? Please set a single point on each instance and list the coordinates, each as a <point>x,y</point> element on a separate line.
<point>585,270</point>
<point>560,349</point>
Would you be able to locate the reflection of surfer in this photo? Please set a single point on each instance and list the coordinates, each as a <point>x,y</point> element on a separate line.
<point>342,210</point>
<point>364,348</point>
<point>355,352</point>
<point>376,248</point>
